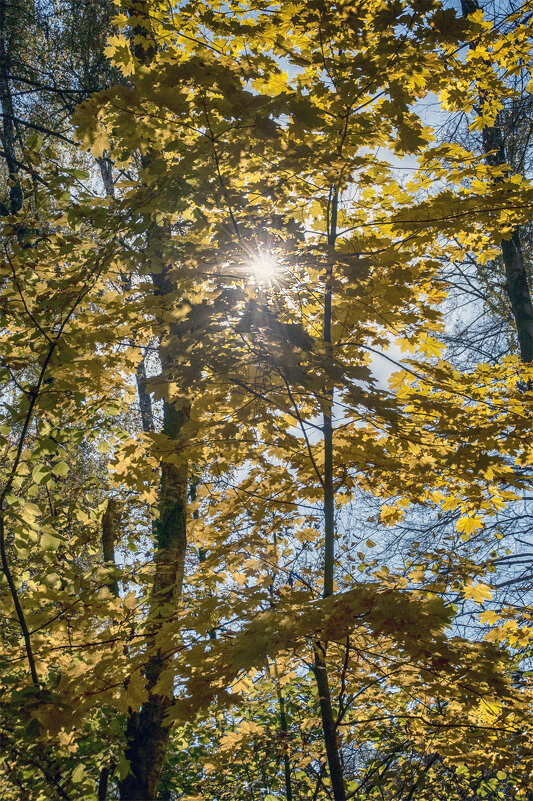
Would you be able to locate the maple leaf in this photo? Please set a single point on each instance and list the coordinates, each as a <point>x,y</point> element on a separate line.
<point>478,593</point>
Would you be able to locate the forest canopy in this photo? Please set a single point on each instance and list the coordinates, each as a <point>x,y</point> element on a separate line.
<point>266,386</point>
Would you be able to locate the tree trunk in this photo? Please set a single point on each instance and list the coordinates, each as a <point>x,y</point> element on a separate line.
<point>329,728</point>
<point>145,401</point>
<point>109,536</point>
<point>106,172</point>
<point>327,426</point>
<point>102,784</point>
<point>516,279</point>
<point>284,727</point>
<point>148,730</point>
<point>7,131</point>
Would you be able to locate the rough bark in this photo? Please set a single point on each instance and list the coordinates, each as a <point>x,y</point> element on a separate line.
<point>148,730</point>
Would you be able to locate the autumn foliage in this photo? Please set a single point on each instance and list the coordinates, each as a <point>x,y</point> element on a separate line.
<point>258,508</point>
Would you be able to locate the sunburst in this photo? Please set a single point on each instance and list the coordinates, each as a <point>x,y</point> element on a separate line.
<point>264,269</point>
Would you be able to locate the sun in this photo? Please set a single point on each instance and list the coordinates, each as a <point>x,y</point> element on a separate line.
<point>264,268</point>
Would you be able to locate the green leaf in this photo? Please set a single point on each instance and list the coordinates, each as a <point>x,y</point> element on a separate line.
<point>41,474</point>
<point>49,542</point>
<point>77,774</point>
<point>49,445</point>
<point>34,142</point>
<point>123,768</point>
<point>60,469</point>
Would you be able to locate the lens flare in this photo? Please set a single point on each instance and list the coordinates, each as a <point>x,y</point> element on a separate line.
<point>264,268</point>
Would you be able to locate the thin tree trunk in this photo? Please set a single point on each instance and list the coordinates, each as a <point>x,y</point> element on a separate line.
<point>327,426</point>
<point>145,402</point>
<point>202,552</point>
<point>516,279</point>
<point>284,727</point>
<point>329,727</point>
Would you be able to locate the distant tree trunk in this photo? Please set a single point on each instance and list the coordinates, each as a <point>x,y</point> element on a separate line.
<point>106,172</point>
<point>109,536</point>
<point>516,279</point>
<point>145,401</point>
<point>7,131</point>
<point>329,495</point>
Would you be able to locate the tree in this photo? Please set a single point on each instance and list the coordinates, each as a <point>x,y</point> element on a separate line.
<point>233,158</point>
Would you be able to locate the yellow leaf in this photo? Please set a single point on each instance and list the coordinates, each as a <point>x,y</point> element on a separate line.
<point>478,593</point>
<point>469,524</point>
